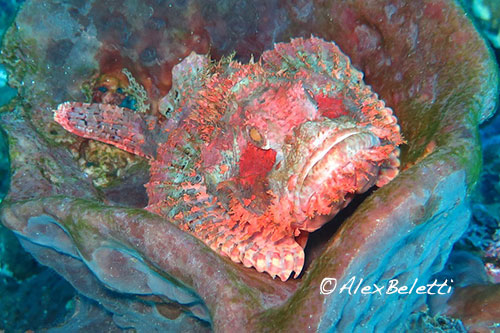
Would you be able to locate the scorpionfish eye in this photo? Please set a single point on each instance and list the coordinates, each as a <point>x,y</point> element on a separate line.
<point>256,137</point>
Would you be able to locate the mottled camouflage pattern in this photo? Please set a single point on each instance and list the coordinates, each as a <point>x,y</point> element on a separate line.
<point>250,158</point>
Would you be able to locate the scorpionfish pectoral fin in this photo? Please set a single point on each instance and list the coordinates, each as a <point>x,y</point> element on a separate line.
<point>278,257</point>
<point>107,123</point>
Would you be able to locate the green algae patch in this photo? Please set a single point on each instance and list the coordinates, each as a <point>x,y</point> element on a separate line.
<point>276,319</point>
<point>17,61</point>
<point>249,294</point>
<point>26,72</point>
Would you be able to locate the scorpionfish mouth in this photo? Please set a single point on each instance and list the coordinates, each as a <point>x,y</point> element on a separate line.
<point>337,160</point>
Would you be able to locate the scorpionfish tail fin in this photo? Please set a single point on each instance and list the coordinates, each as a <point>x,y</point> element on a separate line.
<point>111,124</point>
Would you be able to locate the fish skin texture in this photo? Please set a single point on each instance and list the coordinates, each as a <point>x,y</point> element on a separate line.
<point>250,158</point>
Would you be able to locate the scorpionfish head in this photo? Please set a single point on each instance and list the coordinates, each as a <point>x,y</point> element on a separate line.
<point>311,154</point>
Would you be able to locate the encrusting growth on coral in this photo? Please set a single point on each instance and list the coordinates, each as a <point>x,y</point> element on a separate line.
<point>137,91</point>
<point>252,157</point>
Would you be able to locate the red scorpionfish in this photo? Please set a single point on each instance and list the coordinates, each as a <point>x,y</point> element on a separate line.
<point>252,157</point>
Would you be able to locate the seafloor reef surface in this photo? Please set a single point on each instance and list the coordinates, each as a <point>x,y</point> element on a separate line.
<point>75,204</point>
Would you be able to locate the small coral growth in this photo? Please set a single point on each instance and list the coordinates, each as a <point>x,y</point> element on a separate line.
<point>137,92</point>
<point>422,321</point>
<point>104,163</point>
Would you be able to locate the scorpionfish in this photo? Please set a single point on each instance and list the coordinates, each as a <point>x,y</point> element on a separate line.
<point>251,158</point>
